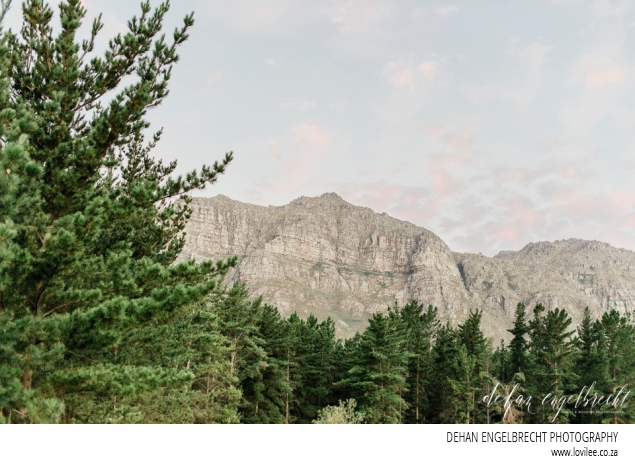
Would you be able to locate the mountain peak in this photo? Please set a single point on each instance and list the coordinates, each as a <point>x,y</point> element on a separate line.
<point>332,196</point>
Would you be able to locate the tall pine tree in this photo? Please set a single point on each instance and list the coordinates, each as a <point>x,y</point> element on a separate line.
<point>90,222</point>
<point>377,378</point>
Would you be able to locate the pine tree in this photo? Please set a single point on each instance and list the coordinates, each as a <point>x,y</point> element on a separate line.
<point>478,380</point>
<point>472,338</point>
<point>90,223</point>
<point>552,359</point>
<point>378,376</point>
<point>464,384</point>
<point>501,363</point>
<point>314,354</point>
<point>238,323</point>
<point>616,364</point>
<point>189,340</point>
<point>518,344</point>
<point>419,332</point>
<point>446,348</point>
<point>268,391</point>
<point>588,337</point>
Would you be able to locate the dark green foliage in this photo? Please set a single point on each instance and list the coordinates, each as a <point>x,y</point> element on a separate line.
<point>518,345</point>
<point>377,379</point>
<point>446,348</point>
<point>247,358</point>
<point>463,386</point>
<point>90,221</point>
<point>502,363</point>
<point>470,370</point>
<point>473,339</point>
<point>283,366</point>
<point>314,354</point>
<point>419,331</point>
<point>606,364</point>
<point>552,354</point>
<point>269,391</point>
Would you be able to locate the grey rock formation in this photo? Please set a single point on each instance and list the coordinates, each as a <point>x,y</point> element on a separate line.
<point>327,257</point>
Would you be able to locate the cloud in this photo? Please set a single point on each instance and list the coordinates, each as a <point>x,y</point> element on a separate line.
<point>612,74</point>
<point>310,133</point>
<point>274,148</point>
<point>432,129</point>
<point>477,203</point>
<point>544,156</point>
<point>483,93</point>
<point>301,159</point>
<point>339,106</point>
<point>598,71</point>
<point>510,218</point>
<point>406,73</point>
<point>601,78</point>
<point>446,11</point>
<point>520,93</point>
<point>428,69</point>
<point>357,15</point>
<point>400,73</point>
<point>297,104</point>
<point>533,54</point>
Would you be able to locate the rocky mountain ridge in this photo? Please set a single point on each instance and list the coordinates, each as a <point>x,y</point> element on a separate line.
<point>328,257</point>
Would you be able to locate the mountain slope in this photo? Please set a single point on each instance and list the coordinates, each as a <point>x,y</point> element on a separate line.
<point>327,257</point>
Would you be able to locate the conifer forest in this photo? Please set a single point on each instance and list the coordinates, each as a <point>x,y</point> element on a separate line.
<point>100,324</point>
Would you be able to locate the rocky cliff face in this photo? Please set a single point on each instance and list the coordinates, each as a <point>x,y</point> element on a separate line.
<point>327,257</point>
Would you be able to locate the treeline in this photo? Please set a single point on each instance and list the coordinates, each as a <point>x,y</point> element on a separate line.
<point>408,368</point>
<point>248,364</point>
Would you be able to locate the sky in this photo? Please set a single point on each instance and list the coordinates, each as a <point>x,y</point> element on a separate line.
<point>491,123</point>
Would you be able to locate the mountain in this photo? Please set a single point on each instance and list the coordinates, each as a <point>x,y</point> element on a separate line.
<point>328,257</point>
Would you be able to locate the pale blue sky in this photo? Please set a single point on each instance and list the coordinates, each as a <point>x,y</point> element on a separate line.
<point>491,123</point>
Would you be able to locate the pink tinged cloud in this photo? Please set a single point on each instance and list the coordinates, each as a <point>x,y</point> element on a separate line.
<point>570,172</point>
<point>570,211</point>
<point>600,79</point>
<point>400,73</point>
<point>310,134</point>
<point>406,72</point>
<point>463,138</point>
<point>623,201</point>
<point>409,203</point>
<point>432,129</point>
<point>512,175</point>
<point>357,15</point>
<point>443,182</point>
<point>522,211</point>
<point>503,231</point>
<point>428,69</point>
<point>274,148</point>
